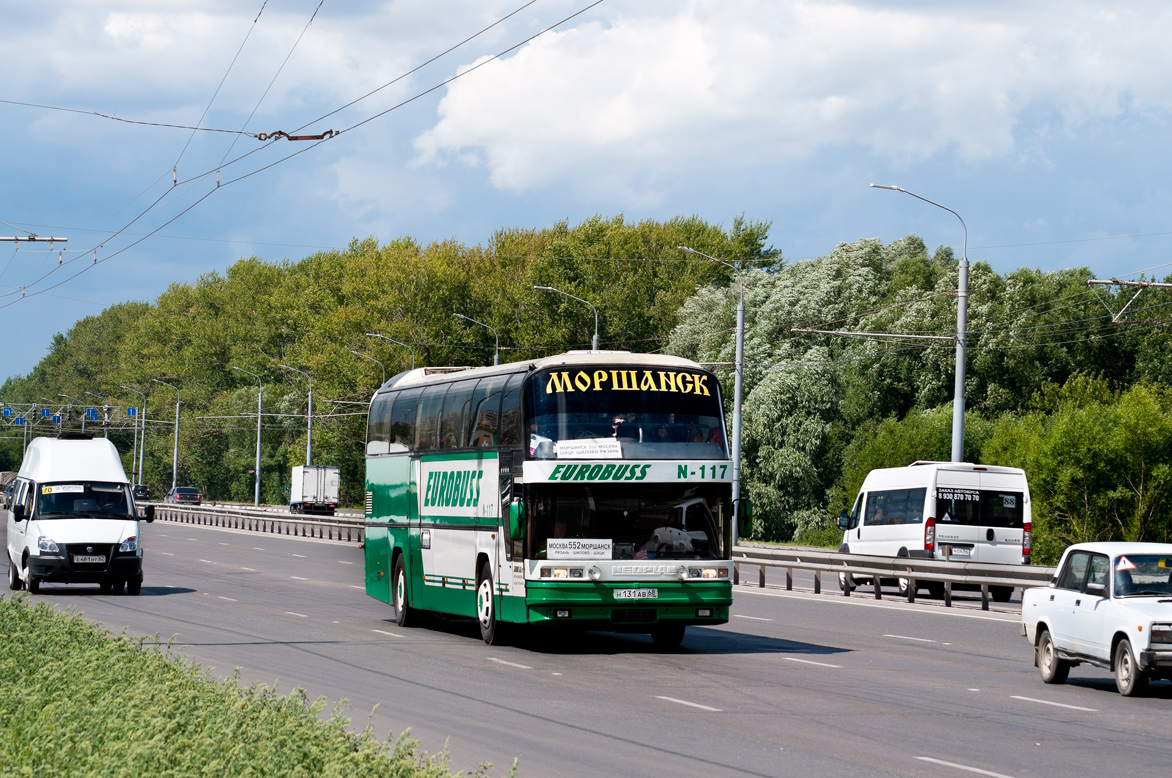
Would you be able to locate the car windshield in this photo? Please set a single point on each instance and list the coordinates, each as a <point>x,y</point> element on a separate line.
<point>1142,575</point>
<point>73,499</point>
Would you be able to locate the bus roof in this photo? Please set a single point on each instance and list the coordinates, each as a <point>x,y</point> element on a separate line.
<point>431,375</point>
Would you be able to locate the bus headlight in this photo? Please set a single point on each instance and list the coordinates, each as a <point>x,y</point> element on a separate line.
<point>595,573</point>
<point>129,546</point>
<point>46,545</point>
<point>561,572</point>
<point>682,573</point>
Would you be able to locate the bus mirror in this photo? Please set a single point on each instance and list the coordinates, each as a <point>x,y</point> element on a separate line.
<point>744,518</point>
<point>516,520</point>
<point>844,520</point>
<point>149,513</point>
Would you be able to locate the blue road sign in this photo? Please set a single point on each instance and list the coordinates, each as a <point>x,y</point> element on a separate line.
<point>57,419</point>
<point>46,413</point>
<point>20,421</point>
<point>7,411</point>
<point>131,412</point>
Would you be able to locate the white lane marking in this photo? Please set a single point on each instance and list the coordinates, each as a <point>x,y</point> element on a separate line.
<point>754,618</point>
<point>905,637</point>
<point>210,562</point>
<point>249,569</point>
<point>298,578</point>
<point>384,632</point>
<point>299,615</point>
<point>1010,618</point>
<point>229,599</point>
<point>166,553</point>
<point>555,673</point>
<point>976,770</point>
<point>1056,704</point>
<point>808,662</point>
<point>974,690</point>
<point>691,704</point>
<point>344,563</point>
<point>510,664</point>
<point>257,548</point>
<point>299,556</point>
<point>352,586</point>
<point>225,544</point>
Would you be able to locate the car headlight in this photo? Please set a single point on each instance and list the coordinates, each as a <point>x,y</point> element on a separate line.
<point>46,545</point>
<point>1162,633</point>
<point>129,546</point>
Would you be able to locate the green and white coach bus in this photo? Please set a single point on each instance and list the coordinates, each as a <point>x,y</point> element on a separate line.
<point>591,489</point>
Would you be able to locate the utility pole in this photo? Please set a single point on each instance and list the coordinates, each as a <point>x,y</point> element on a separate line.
<point>1117,282</point>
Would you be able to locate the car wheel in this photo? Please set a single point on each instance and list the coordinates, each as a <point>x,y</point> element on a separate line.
<point>105,586</point>
<point>490,628</point>
<point>134,587</point>
<point>669,636</point>
<point>1053,668</point>
<point>404,613</point>
<point>14,581</point>
<point>1129,679</point>
<point>1001,593</point>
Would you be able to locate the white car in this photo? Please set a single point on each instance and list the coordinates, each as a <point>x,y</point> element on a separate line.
<point>1109,605</point>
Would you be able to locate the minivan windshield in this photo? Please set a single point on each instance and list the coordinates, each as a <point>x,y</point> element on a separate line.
<point>84,499</point>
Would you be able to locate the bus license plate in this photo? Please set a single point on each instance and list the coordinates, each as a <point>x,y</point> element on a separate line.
<point>636,594</point>
<point>93,559</point>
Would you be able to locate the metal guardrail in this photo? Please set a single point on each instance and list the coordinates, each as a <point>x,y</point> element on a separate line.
<point>877,568</point>
<point>250,519</point>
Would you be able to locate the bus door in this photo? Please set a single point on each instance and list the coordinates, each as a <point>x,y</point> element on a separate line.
<point>509,564</point>
<point>958,511</point>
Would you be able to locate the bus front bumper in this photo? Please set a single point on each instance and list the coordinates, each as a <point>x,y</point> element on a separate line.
<point>596,605</point>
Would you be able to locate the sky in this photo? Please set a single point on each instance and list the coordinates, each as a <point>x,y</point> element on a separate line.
<point>1043,124</point>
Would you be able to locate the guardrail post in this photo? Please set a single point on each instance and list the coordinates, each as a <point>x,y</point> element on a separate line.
<point>761,576</point>
<point>911,586</point>
<point>878,588</point>
<point>984,597</point>
<point>948,594</point>
<point>817,582</point>
<point>846,584</point>
<point>736,568</point>
<point>789,579</point>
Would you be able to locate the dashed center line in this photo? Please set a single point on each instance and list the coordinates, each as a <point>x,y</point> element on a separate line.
<point>965,767</point>
<point>249,569</point>
<point>690,704</point>
<point>753,618</point>
<point>166,553</point>
<point>257,548</point>
<point>905,637</point>
<point>341,562</point>
<point>1056,704</point>
<point>298,578</point>
<point>810,662</point>
<point>210,562</point>
<point>299,556</point>
<point>299,615</point>
<point>352,586</point>
<point>229,599</point>
<point>510,664</point>
<point>384,632</point>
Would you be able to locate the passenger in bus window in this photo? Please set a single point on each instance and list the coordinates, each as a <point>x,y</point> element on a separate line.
<point>620,428</point>
<point>661,434</point>
<point>694,435</point>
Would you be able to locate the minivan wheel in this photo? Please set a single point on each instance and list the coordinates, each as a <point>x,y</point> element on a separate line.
<point>134,587</point>
<point>34,583</point>
<point>14,582</point>
<point>1001,593</point>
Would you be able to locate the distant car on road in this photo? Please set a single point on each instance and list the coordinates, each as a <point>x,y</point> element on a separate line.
<point>1109,605</point>
<point>142,492</point>
<point>187,495</point>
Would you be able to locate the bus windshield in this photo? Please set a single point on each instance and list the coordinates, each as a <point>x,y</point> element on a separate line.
<point>84,499</point>
<point>630,413</point>
<point>659,521</point>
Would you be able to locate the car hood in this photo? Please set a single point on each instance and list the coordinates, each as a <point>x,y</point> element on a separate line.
<point>86,530</point>
<point>1146,608</point>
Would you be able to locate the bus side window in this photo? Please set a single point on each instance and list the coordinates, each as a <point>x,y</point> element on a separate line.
<point>403,420</point>
<point>511,412</point>
<point>378,424</point>
<point>454,426</point>
<point>486,411</point>
<point>427,427</point>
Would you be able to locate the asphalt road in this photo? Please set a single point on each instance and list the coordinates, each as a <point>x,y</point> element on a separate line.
<point>796,685</point>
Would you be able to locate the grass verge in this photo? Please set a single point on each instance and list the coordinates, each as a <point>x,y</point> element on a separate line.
<point>76,700</point>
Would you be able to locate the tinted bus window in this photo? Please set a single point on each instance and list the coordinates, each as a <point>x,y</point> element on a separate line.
<point>510,432</point>
<point>980,508</point>
<point>486,411</point>
<point>427,428</point>
<point>895,506</point>
<point>378,424</point>
<point>403,420</point>
<point>454,424</point>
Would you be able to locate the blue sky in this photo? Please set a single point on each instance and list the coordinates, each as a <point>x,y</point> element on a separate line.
<point>1043,124</point>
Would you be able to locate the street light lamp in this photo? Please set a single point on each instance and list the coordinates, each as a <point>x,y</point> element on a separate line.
<point>259,396</point>
<point>105,414</point>
<point>398,343</point>
<point>80,402</point>
<point>496,360</point>
<point>140,445</point>
<point>308,417</point>
<point>962,315</point>
<point>738,384</point>
<point>175,450</point>
<point>372,359</point>
<point>594,343</point>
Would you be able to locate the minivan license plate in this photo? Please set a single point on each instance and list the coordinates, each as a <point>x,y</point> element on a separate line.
<point>636,594</point>
<point>92,559</point>
<point>961,551</point>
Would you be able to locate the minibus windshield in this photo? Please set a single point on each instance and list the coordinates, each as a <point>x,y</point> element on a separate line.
<point>84,499</point>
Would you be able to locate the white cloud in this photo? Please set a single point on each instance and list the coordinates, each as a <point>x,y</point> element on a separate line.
<point>740,83</point>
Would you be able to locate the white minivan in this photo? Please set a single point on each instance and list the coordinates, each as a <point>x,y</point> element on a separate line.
<point>978,513</point>
<point>73,518</point>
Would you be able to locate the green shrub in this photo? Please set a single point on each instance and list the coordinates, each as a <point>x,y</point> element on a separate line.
<point>77,701</point>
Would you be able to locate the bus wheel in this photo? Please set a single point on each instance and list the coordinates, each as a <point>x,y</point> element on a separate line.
<point>490,629</point>
<point>404,613</point>
<point>668,636</point>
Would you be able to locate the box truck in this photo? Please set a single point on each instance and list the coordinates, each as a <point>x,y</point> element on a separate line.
<point>314,489</point>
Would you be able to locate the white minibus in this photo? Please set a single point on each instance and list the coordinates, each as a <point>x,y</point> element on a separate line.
<point>975,513</point>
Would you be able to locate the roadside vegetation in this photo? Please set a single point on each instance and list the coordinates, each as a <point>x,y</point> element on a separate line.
<point>1054,383</point>
<point>78,701</point>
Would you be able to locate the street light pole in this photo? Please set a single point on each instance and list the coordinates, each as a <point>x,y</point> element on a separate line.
<point>594,343</point>
<point>397,343</point>
<point>140,446</point>
<point>372,359</point>
<point>738,384</point>
<point>308,417</point>
<point>496,360</point>
<point>175,451</point>
<point>962,314</point>
<point>259,397</point>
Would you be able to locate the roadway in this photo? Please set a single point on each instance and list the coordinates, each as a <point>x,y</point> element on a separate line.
<point>796,685</point>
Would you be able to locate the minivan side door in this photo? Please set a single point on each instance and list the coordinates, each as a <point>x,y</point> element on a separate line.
<point>17,529</point>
